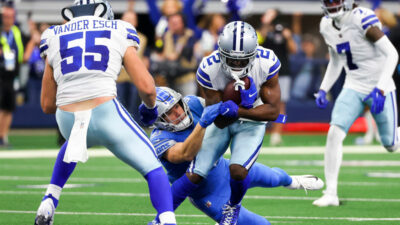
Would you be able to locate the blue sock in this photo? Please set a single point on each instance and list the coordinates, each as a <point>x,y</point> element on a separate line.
<point>160,191</point>
<point>238,189</point>
<point>181,188</point>
<point>62,170</point>
<point>263,176</point>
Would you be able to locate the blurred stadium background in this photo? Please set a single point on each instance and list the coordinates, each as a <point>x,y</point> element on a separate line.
<point>105,191</point>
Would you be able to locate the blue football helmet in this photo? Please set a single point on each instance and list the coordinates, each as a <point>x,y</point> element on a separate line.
<point>237,45</point>
<point>165,100</point>
<point>336,8</point>
<point>100,8</point>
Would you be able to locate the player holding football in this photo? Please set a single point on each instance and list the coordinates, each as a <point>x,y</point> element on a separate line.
<point>180,128</point>
<point>356,42</point>
<point>238,56</point>
<point>84,58</point>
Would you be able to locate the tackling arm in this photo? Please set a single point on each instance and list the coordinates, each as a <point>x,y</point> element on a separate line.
<point>332,72</point>
<point>383,44</point>
<point>49,91</point>
<point>270,94</point>
<point>140,77</point>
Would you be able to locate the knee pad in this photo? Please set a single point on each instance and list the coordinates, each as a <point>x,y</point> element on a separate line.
<point>336,134</point>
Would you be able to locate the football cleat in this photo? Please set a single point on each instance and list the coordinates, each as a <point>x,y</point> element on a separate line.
<point>327,200</point>
<point>45,213</point>
<point>306,182</point>
<point>230,214</point>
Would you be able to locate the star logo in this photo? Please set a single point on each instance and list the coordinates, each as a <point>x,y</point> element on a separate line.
<point>208,204</point>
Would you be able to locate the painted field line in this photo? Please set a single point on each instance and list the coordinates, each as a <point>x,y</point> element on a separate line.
<point>257,197</point>
<point>194,215</point>
<point>73,179</point>
<point>52,153</point>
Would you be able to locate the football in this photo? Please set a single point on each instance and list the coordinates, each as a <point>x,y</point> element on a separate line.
<point>231,94</point>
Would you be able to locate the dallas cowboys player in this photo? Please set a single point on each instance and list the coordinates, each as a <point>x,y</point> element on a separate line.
<point>356,42</point>
<point>238,56</point>
<point>180,128</point>
<point>84,57</point>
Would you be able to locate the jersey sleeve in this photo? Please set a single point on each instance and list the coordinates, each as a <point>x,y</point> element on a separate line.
<point>160,142</point>
<point>274,65</point>
<point>196,104</point>
<point>365,18</point>
<point>44,41</point>
<point>202,75</point>
<point>129,36</point>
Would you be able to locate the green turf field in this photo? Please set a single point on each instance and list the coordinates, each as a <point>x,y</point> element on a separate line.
<point>106,191</point>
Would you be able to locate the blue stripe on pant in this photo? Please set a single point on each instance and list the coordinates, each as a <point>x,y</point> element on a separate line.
<point>110,126</point>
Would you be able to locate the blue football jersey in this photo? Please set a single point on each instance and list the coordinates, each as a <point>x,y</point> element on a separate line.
<point>163,140</point>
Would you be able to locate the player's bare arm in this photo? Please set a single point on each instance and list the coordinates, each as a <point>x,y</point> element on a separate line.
<point>211,96</point>
<point>49,91</point>
<point>187,150</point>
<point>140,76</point>
<point>270,94</point>
<point>373,34</point>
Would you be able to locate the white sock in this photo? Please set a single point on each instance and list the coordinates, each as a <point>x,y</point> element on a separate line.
<point>54,190</point>
<point>369,135</point>
<point>167,217</point>
<point>333,158</point>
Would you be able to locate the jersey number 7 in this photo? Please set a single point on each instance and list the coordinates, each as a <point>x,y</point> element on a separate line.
<point>77,52</point>
<point>345,47</point>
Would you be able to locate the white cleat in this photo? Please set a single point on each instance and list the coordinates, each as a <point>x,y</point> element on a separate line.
<point>327,200</point>
<point>306,182</point>
<point>45,213</point>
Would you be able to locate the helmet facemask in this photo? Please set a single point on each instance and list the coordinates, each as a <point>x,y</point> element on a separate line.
<point>336,8</point>
<point>99,8</point>
<point>237,46</point>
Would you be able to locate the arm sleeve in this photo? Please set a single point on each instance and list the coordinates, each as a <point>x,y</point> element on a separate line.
<point>332,72</point>
<point>386,47</point>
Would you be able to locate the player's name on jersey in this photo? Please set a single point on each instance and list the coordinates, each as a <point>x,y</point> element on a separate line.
<point>85,25</point>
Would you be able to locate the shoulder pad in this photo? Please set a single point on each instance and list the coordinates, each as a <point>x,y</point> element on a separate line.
<point>44,41</point>
<point>365,18</point>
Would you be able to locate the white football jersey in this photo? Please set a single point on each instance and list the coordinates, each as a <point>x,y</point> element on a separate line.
<point>86,56</point>
<point>211,76</point>
<point>360,58</point>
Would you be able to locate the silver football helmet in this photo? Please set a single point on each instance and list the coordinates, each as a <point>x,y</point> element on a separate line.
<point>336,8</point>
<point>100,8</point>
<point>237,45</point>
<point>165,100</point>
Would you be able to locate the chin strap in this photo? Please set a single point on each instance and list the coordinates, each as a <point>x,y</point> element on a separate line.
<point>97,9</point>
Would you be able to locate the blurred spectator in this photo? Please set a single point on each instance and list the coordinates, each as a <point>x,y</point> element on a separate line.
<point>36,64</point>
<point>159,17</point>
<point>11,56</point>
<point>212,25</point>
<point>273,35</point>
<point>180,63</point>
<point>387,18</point>
<point>127,92</point>
<point>306,69</point>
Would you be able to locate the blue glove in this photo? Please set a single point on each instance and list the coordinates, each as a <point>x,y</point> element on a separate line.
<point>321,100</point>
<point>209,114</point>
<point>248,96</point>
<point>229,109</point>
<point>148,116</point>
<point>378,101</point>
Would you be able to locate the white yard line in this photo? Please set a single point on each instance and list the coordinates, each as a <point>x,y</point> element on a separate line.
<point>257,197</point>
<point>99,180</point>
<point>52,153</point>
<point>179,215</point>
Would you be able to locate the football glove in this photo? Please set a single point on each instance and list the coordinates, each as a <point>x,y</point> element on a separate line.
<point>321,100</point>
<point>229,109</point>
<point>378,100</point>
<point>147,116</point>
<point>248,96</point>
<point>209,114</point>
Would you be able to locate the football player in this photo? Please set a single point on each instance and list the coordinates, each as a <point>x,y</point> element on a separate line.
<point>83,58</point>
<point>356,42</point>
<point>238,56</point>
<point>179,132</point>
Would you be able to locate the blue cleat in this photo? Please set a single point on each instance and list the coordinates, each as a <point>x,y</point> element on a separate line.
<point>230,214</point>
